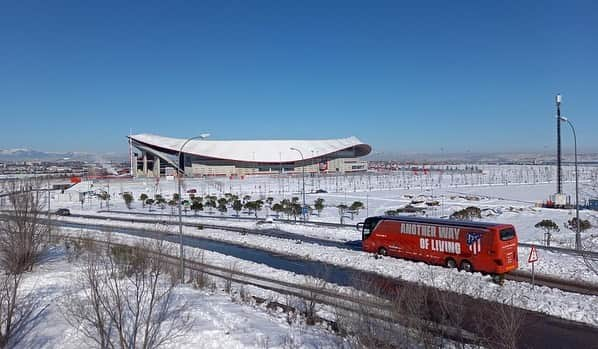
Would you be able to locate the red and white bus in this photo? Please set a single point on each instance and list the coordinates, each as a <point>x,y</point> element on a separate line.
<point>470,246</point>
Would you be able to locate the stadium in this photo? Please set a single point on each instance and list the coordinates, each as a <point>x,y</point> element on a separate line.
<point>153,156</point>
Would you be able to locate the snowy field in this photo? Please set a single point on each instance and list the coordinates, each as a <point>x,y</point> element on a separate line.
<point>218,319</point>
<point>553,302</point>
<point>505,194</point>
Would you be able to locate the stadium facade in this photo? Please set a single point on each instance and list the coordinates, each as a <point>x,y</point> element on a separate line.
<point>153,156</point>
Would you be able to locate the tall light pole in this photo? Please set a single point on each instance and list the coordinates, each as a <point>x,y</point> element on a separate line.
<point>559,188</point>
<point>181,174</point>
<point>303,179</point>
<point>577,223</point>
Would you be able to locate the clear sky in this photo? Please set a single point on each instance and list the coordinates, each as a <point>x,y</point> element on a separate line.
<point>412,76</point>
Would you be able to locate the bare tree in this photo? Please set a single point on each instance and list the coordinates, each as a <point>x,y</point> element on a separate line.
<point>23,230</point>
<point>23,235</point>
<point>18,310</point>
<point>125,299</point>
<point>230,274</point>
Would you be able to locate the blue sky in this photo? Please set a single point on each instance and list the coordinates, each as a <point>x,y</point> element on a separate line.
<point>403,76</point>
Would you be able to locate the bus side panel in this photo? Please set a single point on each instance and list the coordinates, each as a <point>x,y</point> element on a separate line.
<point>388,235</point>
<point>481,247</point>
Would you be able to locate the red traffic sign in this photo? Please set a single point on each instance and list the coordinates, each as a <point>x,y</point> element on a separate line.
<point>533,255</point>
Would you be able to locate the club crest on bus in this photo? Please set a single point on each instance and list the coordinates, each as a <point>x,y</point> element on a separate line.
<point>473,237</point>
<point>474,242</point>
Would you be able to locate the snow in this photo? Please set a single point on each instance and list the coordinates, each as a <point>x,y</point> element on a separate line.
<point>550,301</point>
<point>500,191</point>
<point>506,194</point>
<point>218,321</point>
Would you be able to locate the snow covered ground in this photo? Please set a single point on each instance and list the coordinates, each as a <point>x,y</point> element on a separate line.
<point>550,301</point>
<point>217,320</point>
<point>505,194</point>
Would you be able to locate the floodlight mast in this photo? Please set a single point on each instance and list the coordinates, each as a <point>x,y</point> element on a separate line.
<point>559,188</point>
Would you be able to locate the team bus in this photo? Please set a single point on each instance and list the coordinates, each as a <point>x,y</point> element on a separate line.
<point>471,246</point>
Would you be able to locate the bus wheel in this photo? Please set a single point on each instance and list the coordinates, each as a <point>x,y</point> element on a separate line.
<point>382,251</point>
<point>450,263</point>
<point>498,279</point>
<point>466,266</point>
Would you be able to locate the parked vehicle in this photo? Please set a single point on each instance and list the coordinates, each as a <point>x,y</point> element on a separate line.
<point>63,212</point>
<point>267,220</point>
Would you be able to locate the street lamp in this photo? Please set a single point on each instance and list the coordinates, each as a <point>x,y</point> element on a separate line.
<point>181,174</point>
<point>577,235</point>
<point>303,179</point>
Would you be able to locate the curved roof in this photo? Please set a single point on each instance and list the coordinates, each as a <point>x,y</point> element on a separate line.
<point>265,151</point>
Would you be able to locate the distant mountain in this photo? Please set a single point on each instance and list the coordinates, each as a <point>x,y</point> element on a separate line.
<point>12,155</point>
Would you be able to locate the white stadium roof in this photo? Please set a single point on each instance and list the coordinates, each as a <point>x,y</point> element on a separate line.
<point>263,151</point>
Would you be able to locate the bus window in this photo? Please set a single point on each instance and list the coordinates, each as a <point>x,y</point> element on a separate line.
<point>507,234</point>
<point>368,227</point>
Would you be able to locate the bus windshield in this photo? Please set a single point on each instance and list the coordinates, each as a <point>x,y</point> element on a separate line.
<point>368,227</point>
<point>507,234</point>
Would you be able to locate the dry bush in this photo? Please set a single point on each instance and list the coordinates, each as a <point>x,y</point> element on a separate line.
<point>244,295</point>
<point>501,323</point>
<point>122,298</point>
<point>422,316</point>
<point>309,304</point>
<point>367,331</point>
<point>290,303</point>
<point>228,280</point>
<point>199,278</point>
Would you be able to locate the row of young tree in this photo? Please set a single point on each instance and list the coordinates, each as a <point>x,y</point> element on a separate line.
<point>211,203</point>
